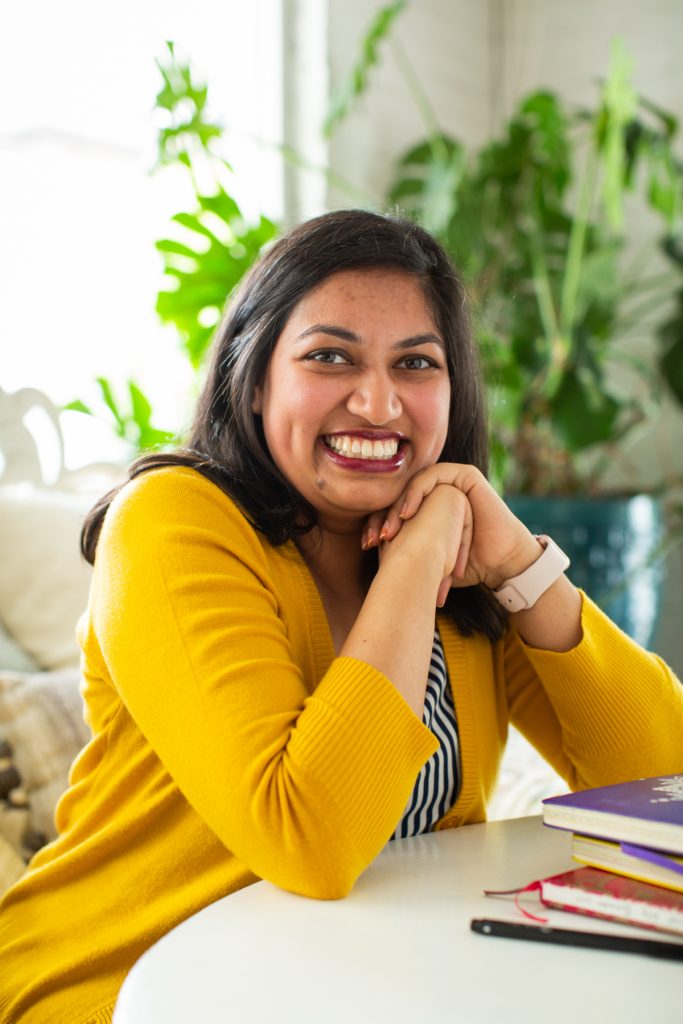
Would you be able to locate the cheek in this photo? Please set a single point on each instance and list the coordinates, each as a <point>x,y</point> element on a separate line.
<point>432,412</point>
<point>294,412</point>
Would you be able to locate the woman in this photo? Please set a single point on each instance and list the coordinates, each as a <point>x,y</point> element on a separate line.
<point>260,649</point>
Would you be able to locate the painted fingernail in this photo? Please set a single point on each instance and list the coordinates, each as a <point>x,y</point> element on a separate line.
<point>403,511</point>
<point>384,531</point>
<point>371,538</point>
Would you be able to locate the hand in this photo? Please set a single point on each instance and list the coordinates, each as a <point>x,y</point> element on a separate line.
<point>487,543</point>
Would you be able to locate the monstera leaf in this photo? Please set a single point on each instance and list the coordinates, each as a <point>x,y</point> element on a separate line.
<point>132,419</point>
<point>205,269</point>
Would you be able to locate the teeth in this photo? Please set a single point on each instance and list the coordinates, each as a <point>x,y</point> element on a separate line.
<point>362,448</point>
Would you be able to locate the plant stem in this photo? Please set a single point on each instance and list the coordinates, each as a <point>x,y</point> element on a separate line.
<point>544,295</point>
<point>354,192</point>
<point>420,99</point>
<point>577,238</point>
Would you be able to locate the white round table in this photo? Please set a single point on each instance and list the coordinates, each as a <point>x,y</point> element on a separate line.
<point>399,948</point>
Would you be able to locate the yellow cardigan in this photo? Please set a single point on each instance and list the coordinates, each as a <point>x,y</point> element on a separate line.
<point>229,743</point>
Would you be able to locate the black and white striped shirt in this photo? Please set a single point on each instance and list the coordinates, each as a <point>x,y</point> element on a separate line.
<point>438,783</point>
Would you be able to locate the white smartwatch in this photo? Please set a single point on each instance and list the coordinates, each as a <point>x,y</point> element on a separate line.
<point>523,591</point>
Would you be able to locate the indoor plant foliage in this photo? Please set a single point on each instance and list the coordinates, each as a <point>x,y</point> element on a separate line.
<point>580,341</point>
<point>220,245</point>
<point>536,221</point>
<point>206,254</point>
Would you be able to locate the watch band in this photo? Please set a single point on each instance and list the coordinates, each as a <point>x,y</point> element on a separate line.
<point>523,591</point>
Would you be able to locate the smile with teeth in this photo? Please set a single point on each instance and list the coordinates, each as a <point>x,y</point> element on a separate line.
<point>362,447</point>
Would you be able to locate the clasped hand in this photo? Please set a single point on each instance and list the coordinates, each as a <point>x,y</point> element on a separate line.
<point>451,511</point>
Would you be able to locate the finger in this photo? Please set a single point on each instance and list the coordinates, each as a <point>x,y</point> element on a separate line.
<point>406,505</point>
<point>443,591</point>
<point>461,562</point>
<point>417,490</point>
<point>370,537</point>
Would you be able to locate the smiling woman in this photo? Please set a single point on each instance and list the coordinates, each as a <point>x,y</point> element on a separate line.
<point>308,631</point>
<point>349,423</point>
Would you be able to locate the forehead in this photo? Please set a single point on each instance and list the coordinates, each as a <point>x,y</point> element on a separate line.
<point>366,297</point>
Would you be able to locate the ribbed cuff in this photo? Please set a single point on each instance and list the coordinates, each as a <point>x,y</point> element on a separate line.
<point>607,677</point>
<point>365,745</point>
<point>103,1016</point>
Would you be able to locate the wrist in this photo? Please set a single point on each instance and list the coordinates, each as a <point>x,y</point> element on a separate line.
<point>521,592</point>
<point>528,553</point>
<point>400,560</point>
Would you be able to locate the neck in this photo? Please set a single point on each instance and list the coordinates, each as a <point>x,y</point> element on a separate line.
<point>335,558</point>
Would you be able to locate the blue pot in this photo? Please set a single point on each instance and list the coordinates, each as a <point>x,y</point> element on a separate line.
<point>612,543</point>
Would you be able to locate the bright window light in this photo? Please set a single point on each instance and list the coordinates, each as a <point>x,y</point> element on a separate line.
<point>79,209</point>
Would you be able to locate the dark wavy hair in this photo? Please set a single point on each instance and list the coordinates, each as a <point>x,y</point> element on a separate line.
<point>227,443</point>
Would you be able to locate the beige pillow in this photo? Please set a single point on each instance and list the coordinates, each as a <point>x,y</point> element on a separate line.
<point>11,865</point>
<point>44,581</point>
<point>41,715</point>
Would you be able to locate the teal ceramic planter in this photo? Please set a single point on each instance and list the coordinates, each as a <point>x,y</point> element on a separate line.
<point>611,543</point>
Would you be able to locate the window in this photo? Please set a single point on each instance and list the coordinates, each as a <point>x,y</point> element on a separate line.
<point>79,210</point>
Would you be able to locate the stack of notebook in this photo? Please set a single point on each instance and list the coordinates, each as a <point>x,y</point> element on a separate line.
<point>630,836</point>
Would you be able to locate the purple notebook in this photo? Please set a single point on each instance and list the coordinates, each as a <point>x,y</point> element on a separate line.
<point>645,812</point>
<point>652,857</point>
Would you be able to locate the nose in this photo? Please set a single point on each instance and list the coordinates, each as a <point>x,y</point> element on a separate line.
<point>375,399</point>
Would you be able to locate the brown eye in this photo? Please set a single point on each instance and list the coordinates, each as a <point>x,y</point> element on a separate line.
<point>327,356</point>
<point>417,363</point>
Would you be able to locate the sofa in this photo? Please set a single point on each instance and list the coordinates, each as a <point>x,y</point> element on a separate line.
<point>43,591</point>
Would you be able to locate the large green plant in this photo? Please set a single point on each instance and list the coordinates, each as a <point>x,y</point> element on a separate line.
<point>536,221</point>
<point>220,244</point>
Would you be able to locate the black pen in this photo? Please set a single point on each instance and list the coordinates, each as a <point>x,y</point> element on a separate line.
<point>568,937</point>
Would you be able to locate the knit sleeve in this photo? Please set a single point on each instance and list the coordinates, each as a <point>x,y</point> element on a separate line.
<point>304,788</point>
<point>605,711</point>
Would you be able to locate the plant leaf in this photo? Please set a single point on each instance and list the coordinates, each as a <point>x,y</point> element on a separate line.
<point>356,81</point>
<point>671,362</point>
<point>619,107</point>
<point>204,274</point>
<point>77,406</point>
<point>583,415</point>
<point>111,403</point>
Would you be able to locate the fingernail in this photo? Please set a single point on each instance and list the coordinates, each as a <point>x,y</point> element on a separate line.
<point>371,538</point>
<point>384,531</point>
<point>403,511</point>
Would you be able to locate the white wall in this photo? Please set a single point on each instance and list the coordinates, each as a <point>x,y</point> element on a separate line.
<point>446,43</point>
<point>476,58</point>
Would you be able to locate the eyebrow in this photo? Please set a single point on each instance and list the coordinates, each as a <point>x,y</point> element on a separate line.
<point>346,335</point>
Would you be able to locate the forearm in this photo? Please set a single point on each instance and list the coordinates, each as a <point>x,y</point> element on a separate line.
<point>554,621</point>
<point>394,630</point>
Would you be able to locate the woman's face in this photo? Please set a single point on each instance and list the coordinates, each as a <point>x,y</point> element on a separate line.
<point>356,395</point>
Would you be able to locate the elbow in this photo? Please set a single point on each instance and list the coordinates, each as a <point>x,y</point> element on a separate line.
<point>316,878</point>
<point>326,869</point>
<point>328,888</point>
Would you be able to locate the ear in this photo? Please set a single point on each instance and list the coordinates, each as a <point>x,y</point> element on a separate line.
<point>257,400</point>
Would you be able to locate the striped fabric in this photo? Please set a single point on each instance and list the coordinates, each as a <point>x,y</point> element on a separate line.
<point>438,783</point>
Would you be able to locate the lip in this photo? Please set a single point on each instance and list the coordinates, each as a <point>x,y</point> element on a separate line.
<point>366,465</point>
<point>371,435</point>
